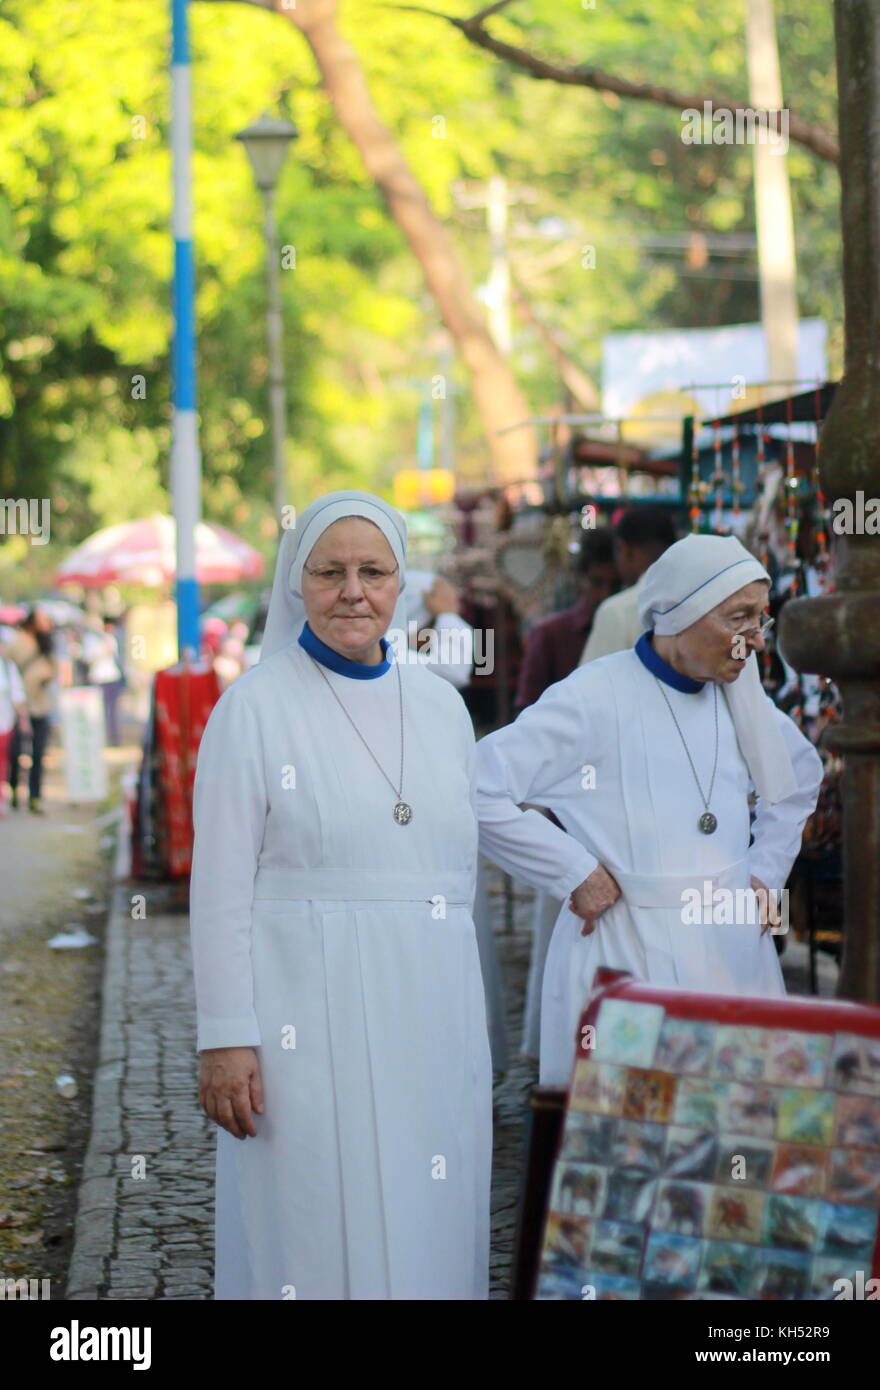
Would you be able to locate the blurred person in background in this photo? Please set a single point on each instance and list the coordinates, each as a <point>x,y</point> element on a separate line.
<point>213,630</point>
<point>66,643</point>
<point>103,659</point>
<point>231,660</point>
<point>554,645</point>
<point>226,657</point>
<point>640,537</point>
<point>13,710</point>
<point>32,651</point>
<point>73,652</point>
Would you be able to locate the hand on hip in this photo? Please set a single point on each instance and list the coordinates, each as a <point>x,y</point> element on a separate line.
<point>593,897</point>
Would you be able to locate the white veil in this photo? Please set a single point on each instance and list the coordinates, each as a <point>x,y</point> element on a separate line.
<point>690,578</point>
<point>287,614</point>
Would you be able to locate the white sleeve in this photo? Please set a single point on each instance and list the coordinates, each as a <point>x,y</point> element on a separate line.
<point>229,815</point>
<point>454,658</point>
<point>470,744</point>
<point>541,750</point>
<point>778,828</point>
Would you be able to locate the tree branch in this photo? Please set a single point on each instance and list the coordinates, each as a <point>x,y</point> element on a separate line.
<point>260,4</point>
<point>489,10</point>
<point>812,137</point>
<point>573,377</point>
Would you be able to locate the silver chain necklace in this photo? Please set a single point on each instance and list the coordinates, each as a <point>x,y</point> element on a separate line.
<point>707,822</point>
<point>403,812</point>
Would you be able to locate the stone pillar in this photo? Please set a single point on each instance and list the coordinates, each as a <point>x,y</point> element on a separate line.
<point>839,634</point>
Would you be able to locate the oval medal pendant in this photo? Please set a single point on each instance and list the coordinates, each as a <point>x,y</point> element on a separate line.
<point>402,813</point>
<point>707,823</point>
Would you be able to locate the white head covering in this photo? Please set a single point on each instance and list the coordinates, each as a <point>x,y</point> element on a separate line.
<point>690,578</point>
<point>286,616</point>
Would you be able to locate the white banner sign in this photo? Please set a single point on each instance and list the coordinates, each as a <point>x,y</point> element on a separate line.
<point>81,709</point>
<point>638,365</point>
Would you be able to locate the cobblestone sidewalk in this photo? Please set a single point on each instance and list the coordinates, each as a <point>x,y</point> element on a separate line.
<point>144,1224</point>
<point>145,1218</point>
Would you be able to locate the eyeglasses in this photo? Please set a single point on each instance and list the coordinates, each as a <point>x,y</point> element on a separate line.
<point>334,576</point>
<point>759,630</point>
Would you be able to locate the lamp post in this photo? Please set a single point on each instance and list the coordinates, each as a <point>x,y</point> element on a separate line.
<point>186,466</point>
<point>266,143</point>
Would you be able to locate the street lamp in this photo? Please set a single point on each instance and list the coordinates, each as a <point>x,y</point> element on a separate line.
<point>266,143</point>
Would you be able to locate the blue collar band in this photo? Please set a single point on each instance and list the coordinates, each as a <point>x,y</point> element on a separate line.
<point>335,661</point>
<point>662,670</point>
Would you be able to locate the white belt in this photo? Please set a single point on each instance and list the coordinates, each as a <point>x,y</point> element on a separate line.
<point>364,885</point>
<point>667,890</point>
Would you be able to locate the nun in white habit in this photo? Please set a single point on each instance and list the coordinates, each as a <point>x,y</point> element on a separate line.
<point>341,1017</point>
<point>648,757</point>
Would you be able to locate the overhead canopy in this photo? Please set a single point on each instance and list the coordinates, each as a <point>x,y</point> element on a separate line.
<point>144,552</point>
<point>806,407</point>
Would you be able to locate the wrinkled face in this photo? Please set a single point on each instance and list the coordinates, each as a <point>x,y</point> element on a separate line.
<point>708,646</point>
<point>352,614</point>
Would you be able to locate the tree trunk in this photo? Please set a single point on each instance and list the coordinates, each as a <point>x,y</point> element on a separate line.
<point>838,633</point>
<point>498,398</point>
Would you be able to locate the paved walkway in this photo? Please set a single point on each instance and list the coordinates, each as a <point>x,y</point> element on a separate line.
<point>54,872</point>
<point>41,857</point>
<point>145,1218</point>
<point>144,1224</point>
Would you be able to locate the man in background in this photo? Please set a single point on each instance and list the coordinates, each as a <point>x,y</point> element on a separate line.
<point>555,644</point>
<point>640,537</point>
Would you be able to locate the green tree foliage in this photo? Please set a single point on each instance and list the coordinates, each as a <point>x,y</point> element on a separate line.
<point>86,254</point>
<point>620,177</point>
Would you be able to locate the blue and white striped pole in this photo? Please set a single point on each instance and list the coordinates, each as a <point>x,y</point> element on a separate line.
<point>185,458</point>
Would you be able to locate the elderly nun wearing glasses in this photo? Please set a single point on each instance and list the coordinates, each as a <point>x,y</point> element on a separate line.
<point>341,1015</point>
<point>648,758</point>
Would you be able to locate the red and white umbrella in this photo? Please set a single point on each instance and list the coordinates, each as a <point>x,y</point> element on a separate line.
<point>144,552</point>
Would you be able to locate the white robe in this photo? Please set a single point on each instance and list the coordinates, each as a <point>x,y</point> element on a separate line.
<point>544,915</point>
<point>492,982</point>
<point>601,751</point>
<point>313,911</point>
